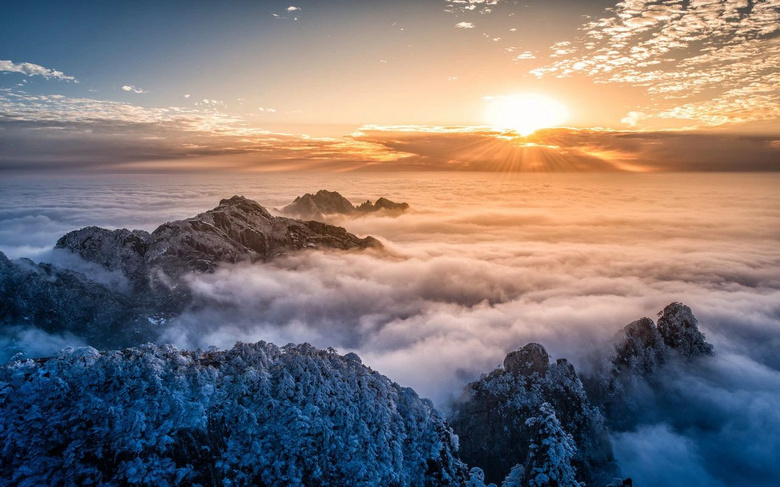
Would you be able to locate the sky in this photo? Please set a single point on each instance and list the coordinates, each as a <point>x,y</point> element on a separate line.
<point>346,84</point>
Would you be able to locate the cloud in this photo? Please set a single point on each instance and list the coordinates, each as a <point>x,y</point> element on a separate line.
<point>58,132</point>
<point>467,6</point>
<point>722,56</point>
<point>133,89</point>
<point>484,263</point>
<point>30,69</point>
<point>464,25</point>
<point>632,118</point>
<point>567,150</point>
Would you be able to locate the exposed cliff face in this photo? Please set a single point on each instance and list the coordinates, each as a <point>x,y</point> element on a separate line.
<point>491,417</point>
<point>238,230</point>
<point>628,379</point>
<point>680,331</point>
<point>318,206</point>
<point>253,415</point>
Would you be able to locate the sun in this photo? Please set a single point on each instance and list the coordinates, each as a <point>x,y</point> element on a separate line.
<point>524,113</point>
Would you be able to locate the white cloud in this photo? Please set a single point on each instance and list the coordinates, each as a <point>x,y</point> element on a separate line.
<point>133,89</point>
<point>525,55</point>
<point>725,55</point>
<point>292,8</point>
<point>632,118</point>
<point>464,25</point>
<point>30,69</point>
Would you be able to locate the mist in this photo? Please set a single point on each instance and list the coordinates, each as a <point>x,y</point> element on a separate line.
<point>481,265</point>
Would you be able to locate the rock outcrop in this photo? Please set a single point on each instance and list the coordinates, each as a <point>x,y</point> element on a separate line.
<point>491,417</point>
<point>323,203</point>
<point>529,360</point>
<point>237,230</point>
<point>382,204</point>
<point>155,264</point>
<point>680,331</point>
<point>628,380</point>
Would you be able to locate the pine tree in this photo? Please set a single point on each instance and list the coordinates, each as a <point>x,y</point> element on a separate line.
<point>551,452</point>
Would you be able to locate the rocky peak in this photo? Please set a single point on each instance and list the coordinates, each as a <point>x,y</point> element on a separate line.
<point>314,206</point>
<point>680,331</point>
<point>324,202</point>
<point>117,250</point>
<point>530,359</point>
<point>241,204</point>
<point>490,418</point>
<point>640,346</point>
<point>383,204</point>
<point>239,229</point>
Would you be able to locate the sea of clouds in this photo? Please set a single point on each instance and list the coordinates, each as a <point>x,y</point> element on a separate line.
<point>483,264</point>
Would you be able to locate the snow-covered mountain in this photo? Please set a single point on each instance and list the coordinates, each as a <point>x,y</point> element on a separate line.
<point>262,415</point>
<point>154,266</point>
<point>253,415</point>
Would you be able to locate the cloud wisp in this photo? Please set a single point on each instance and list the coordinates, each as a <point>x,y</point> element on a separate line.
<point>30,69</point>
<point>133,89</point>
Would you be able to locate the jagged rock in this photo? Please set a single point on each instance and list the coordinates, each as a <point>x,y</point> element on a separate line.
<point>680,331</point>
<point>531,359</point>
<point>318,206</point>
<point>627,381</point>
<point>239,229</point>
<point>639,347</point>
<point>117,250</point>
<point>254,415</point>
<point>383,204</point>
<point>490,418</point>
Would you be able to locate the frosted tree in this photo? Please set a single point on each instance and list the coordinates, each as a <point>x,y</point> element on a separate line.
<point>551,452</point>
<point>515,477</point>
<point>254,415</point>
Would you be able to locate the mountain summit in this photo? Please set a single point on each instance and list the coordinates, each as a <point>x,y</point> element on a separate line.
<point>317,206</point>
<point>237,230</point>
<point>155,266</point>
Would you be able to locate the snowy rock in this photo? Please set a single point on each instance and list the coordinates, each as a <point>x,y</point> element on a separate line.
<point>640,347</point>
<point>630,380</point>
<point>491,417</point>
<point>680,331</point>
<point>531,359</point>
<point>117,250</point>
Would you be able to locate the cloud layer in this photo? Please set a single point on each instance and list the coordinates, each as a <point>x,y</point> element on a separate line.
<point>53,132</point>
<point>30,69</point>
<point>482,264</point>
